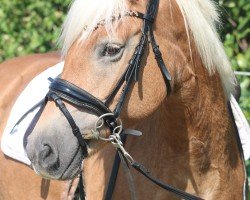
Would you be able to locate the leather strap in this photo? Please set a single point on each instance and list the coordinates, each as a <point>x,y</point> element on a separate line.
<point>77,96</point>
<point>75,129</point>
<point>129,176</point>
<point>114,172</point>
<point>39,104</point>
<point>160,61</point>
<point>144,171</point>
<point>34,121</point>
<point>82,195</point>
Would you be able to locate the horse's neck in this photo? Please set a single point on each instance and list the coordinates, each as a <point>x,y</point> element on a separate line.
<point>188,142</point>
<point>187,124</point>
<point>190,135</point>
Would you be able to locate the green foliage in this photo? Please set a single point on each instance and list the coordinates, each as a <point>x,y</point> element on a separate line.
<point>236,37</point>
<point>29,26</point>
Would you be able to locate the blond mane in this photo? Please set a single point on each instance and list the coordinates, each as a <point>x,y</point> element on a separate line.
<point>83,17</point>
<point>200,18</point>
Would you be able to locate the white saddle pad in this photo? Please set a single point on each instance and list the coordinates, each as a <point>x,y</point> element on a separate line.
<point>12,140</point>
<point>35,91</point>
<point>243,127</point>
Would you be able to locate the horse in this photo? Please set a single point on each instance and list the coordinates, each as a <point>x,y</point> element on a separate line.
<point>17,181</point>
<point>189,139</point>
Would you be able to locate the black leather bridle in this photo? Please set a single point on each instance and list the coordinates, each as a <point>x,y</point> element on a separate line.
<point>62,90</point>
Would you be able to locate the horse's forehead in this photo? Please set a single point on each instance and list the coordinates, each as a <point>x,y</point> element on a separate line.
<point>88,13</point>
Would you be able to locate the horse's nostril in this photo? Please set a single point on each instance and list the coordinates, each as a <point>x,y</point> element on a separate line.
<point>46,151</point>
<point>48,156</point>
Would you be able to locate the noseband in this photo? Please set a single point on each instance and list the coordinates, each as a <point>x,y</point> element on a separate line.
<point>63,91</point>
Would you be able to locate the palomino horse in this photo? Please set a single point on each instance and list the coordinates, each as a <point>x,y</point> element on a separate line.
<point>188,141</point>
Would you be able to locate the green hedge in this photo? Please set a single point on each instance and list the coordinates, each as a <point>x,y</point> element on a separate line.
<point>33,26</point>
<point>30,26</point>
<point>235,33</point>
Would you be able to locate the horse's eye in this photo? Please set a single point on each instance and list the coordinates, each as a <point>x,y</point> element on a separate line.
<point>111,50</point>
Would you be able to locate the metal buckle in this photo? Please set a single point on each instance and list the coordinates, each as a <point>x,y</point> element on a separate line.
<point>114,138</point>
<point>100,123</point>
<point>116,141</point>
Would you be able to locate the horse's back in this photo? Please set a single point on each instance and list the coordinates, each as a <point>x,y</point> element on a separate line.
<point>25,67</point>
<point>17,181</point>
